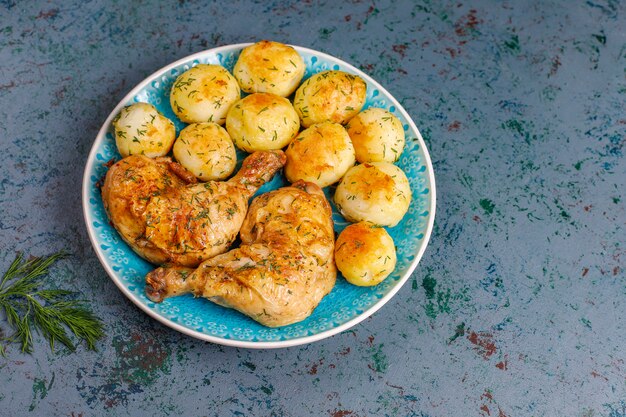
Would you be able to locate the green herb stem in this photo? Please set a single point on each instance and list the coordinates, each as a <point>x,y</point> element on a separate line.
<point>49,312</point>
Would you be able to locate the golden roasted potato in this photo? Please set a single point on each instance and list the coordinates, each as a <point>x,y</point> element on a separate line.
<point>377,135</point>
<point>329,96</point>
<point>206,150</point>
<point>378,192</point>
<point>261,122</point>
<point>320,154</point>
<point>269,67</point>
<point>365,254</point>
<point>141,129</point>
<point>204,93</point>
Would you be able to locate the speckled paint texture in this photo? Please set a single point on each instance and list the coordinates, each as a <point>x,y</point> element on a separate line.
<point>518,307</point>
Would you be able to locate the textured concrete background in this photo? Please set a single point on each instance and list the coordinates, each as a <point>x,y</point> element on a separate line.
<point>518,307</point>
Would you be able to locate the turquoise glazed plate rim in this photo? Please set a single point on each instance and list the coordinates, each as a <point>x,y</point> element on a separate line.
<point>344,307</point>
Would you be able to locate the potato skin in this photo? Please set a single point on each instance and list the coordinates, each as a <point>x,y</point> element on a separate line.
<point>204,93</point>
<point>320,154</point>
<point>206,150</point>
<point>269,67</point>
<point>141,129</point>
<point>377,135</point>
<point>378,192</point>
<point>365,254</point>
<point>333,96</point>
<point>261,122</point>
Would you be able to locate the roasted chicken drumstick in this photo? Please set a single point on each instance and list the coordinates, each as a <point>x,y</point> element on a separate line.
<point>165,216</point>
<point>281,271</point>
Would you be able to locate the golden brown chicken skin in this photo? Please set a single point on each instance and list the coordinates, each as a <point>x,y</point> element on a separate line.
<point>166,218</point>
<point>281,271</point>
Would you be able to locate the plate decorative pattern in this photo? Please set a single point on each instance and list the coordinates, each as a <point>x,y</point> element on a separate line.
<point>345,306</point>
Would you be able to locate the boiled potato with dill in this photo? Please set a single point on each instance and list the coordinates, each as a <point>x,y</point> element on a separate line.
<point>261,122</point>
<point>377,135</point>
<point>141,129</point>
<point>378,192</point>
<point>204,93</point>
<point>365,254</point>
<point>320,154</point>
<point>329,96</point>
<point>206,150</point>
<point>269,67</point>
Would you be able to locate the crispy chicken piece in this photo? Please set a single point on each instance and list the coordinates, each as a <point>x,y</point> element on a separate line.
<point>165,217</point>
<point>281,271</point>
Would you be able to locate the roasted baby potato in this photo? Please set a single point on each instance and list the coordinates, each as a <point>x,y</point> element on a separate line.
<point>204,93</point>
<point>378,192</point>
<point>269,67</point>
<point>141,129</point>
<point>206,150</point>
<point>320,154</point>
<point>365,254</point>
<point>261,122</point>
<point>329,96</point>
<point>377,135</point>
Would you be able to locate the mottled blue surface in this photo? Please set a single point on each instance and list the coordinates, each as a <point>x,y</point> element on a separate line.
<point>518,306</point>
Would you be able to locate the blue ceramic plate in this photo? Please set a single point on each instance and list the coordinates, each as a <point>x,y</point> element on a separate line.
<point>344,307</point>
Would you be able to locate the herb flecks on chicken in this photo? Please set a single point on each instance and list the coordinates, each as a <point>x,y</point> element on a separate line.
<point>281,271</point>
<point>165,217</point>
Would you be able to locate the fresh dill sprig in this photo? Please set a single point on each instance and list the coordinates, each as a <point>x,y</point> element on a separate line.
<point>49,312</point>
